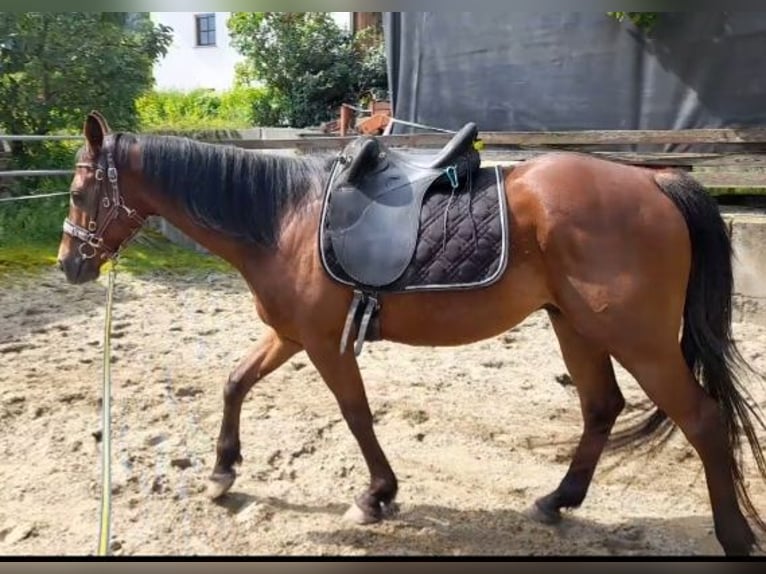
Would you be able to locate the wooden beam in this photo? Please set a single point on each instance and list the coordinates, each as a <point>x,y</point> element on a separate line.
<point>335,143</point>
<point>711,160</point>
<point>627,137</point>
<point>731,178</point>
<point>573,138</point>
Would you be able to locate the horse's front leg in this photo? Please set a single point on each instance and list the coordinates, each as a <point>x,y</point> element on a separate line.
<point>341,374</point>
<point>270,353</point>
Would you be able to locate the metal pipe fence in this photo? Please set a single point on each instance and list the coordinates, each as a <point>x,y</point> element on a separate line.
<point>6,174</point>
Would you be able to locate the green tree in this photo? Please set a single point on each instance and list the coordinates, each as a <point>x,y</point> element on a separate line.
<point>309,65</point>
<point>55,67</point>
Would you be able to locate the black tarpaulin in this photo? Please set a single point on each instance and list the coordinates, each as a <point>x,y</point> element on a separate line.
<point>568,71</point>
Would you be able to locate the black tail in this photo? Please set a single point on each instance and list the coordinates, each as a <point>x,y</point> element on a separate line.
<point>706,340</point>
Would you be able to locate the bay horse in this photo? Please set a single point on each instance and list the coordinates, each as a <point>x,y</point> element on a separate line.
<point>628,262</point>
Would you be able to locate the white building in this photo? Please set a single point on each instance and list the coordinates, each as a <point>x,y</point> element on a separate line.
<point>201,55</point>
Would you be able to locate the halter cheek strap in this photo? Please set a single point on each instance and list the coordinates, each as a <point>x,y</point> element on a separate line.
<point>92,238</point>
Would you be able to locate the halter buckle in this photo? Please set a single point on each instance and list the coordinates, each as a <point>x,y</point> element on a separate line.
<point>112,174</point>
<point>128,211</point>
<point>81,249</point>
<point>94,241</point>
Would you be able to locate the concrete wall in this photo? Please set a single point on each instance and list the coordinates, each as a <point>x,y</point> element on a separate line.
<point>748,233</point>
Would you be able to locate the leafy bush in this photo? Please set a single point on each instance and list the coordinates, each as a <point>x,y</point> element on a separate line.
<point>309,65</point>
<point>41,155</point>
<point>32,222</point>
<point>56,66</point>
<point>203,109</point>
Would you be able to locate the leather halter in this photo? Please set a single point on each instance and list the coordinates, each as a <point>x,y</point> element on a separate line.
<point>93,236</point>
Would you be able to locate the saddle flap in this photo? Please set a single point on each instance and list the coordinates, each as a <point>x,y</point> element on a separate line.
<point>374,237</point>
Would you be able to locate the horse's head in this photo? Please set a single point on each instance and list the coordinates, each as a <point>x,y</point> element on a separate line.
<point>99,223</point>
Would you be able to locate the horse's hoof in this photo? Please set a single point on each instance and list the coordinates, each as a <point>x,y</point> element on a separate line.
<point>540,514</point>
<point>356,515</point>
<point>389,510</point>
<point>219,484</point>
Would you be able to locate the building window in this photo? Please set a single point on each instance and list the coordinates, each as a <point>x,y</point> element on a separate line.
<point>205,29</point>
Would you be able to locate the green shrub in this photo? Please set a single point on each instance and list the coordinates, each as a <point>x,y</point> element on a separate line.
<point>203,109</point>
<point>42,155</point>
<point>310,65</point>
<point>33,221</point>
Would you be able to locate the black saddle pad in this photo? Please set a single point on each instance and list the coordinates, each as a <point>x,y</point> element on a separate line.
<point>462,239</point>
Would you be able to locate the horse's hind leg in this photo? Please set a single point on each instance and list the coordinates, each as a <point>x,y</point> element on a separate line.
<point>663,374</point>
<point>270,353</point>
<point>601,402</point>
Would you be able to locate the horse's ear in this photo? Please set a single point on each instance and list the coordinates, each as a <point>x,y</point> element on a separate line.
<point>94,130</point>
<point>102,120</point>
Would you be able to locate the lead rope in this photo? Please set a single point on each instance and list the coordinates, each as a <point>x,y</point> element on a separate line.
<point>106,441</point>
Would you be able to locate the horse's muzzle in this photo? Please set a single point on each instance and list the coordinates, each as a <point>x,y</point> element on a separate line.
<point>78,270</point>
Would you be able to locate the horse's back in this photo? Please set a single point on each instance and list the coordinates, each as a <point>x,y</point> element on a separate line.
<point>595,194</point>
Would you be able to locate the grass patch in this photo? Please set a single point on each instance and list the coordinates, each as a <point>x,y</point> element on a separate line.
<point>26,259</point>
<point>30,232</point>
<point>149,254</point>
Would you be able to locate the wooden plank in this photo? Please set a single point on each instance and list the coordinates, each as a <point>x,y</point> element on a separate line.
<point>738,160</point>
<point>557,138</point>
<point>623,137</point>
<point>731,178</point>
<point>331,143</point>
<point>722,160</point>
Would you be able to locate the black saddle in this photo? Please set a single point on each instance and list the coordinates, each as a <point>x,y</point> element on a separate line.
<point>372,213</point>
<point>374,199</point>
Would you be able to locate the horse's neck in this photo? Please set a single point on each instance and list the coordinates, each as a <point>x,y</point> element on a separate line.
<point>303,221</point>
<point>214,241</point>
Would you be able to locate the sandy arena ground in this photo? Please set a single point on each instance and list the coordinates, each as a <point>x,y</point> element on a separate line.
<point>474,434</point>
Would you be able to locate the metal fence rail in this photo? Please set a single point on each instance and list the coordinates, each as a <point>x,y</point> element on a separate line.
<point>36,172</point>
<point>17,173</point>
<point>27,138</point>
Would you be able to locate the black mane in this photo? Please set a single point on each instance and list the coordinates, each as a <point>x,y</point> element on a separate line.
<point>234,191</point>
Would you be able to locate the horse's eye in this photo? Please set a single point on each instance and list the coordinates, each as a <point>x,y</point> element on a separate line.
<point>77,197</point>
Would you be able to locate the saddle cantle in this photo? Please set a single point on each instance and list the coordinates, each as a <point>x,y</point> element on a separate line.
<point>394,221</point>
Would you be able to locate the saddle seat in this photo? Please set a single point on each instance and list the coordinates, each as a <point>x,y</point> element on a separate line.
<point>373,202</point>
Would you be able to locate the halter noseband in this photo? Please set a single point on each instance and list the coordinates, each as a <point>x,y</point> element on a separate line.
<point>93,236</point>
